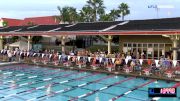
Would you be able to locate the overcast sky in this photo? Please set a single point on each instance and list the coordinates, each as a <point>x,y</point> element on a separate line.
<point>139,8</point>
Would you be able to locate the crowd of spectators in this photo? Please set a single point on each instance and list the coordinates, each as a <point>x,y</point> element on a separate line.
<point>96,60</point>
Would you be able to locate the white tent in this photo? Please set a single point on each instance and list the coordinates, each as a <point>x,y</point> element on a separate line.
<point>21,45</point>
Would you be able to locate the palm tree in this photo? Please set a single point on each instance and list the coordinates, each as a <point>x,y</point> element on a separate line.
<point>67,14</point>
<point>114,14</point>
<point>97,7</point>
<point>86,14</point>
<point>105,17</point>
<point>123,10</point>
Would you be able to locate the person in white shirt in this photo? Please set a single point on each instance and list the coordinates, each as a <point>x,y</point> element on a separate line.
<point>9,53</point>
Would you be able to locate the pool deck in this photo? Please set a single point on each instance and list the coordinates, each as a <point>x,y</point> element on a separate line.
<point>8,63</point>
<point>100,71</point>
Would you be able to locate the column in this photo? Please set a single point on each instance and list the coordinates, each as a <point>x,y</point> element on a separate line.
<point>109,43</point>
<point>63,43</point>
<point>175,39</point>
<point>29,42</point>
<point>175,50</point>
<point>1,42</point>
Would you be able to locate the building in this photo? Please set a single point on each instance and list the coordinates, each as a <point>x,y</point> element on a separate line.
<point>10,22</point>
<point>45,20</point>
<point>153,38</point>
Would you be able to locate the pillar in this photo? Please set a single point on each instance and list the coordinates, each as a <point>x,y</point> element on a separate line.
<point>63,43</point>
<point>175,39</point>
<point>1,42</point>
<point>29,42</point>
<point>175,50</point>
<point>109,43</point>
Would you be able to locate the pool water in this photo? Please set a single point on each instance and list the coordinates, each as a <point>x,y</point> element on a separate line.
<point>34,83</point>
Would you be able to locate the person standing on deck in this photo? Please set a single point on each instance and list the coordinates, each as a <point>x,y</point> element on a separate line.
<point>9,53</point>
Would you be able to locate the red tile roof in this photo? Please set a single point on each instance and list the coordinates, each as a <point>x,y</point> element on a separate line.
<point>46,20</point>
<point>12,22</point>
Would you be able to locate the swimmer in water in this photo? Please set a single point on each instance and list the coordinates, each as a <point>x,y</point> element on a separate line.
<point>13,85</point>
<point>48,91</point>
<point>97,97</point>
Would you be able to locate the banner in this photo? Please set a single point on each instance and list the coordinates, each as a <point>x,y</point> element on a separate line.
<point>42,55</point>
<point>113,60</point>
<point>174,63</point>
<point>157,62</point>
<point>141,61</point>
<point>126,60</point>
<point>78,58</point>
<point>59,57</point>
<point>89,59</point>
<point>50,55</point>
<point>69,57</point>
<point>100,59</point>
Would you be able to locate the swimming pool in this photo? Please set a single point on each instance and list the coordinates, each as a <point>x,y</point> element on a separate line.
<point>33,83</point>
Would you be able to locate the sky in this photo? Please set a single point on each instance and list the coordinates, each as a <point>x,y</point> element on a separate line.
<point>20,9</point>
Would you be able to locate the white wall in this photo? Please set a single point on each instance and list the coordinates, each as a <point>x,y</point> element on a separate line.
<point>1,22</point>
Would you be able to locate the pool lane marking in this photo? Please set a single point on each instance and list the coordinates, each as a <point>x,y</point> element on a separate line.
<point>176,85</point>
<point>34,82</point>
<point>103,88</point>
<point>20,74</point>
<point>15,96</point>
<point>131,90</point>
<point>7,73</point>
<point>31,72</point>
<point>25,78</point>
<point>41,87</point>
<point>35,88</point>
<point>74,87</point>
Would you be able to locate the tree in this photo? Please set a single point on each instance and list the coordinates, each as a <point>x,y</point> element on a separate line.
<point>5,23</point>
<point>105,17</point>
<point>68,14</point>
<point>86,14</point>
<point>97,7</point>
<point>112,16</point>
<point>123,10</point>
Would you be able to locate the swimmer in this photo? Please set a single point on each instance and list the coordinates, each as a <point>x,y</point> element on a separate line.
<point>13,85</point>
<point>97,97</point>
<point>48,91</point>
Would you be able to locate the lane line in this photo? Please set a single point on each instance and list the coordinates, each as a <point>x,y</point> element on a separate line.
<point>74,87</point>
<point>33,82</point>
<point>131,90</point>
<point>66,75</point>
<point>103,88</point>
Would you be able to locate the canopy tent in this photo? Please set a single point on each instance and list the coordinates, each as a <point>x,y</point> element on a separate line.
<point>21,45</point>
